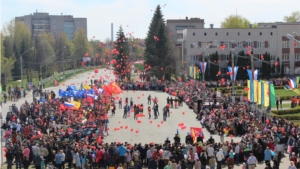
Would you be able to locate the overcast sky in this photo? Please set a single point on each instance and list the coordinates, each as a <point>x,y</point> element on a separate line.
<point>135,15</point>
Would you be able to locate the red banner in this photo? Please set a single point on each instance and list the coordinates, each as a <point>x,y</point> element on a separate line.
<point>195,132</point>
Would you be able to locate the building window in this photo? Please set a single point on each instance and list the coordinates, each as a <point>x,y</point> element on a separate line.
<point>285,44</point>
<point>285,57</point>
<point>249,33</point>
<point>286,70</point>
<point>297,56</point>
<point>194,34</point>
<point>260,33</point>
<point>238,33</point>
<point>183,27</point>
<point>296,44</point>
<point>260,44</point>
<point>205,34</point>
<point>271,33</point>
<point>216,33</point>
<point>227,33</point>
<point>272,44</point>
<point>179,36</point>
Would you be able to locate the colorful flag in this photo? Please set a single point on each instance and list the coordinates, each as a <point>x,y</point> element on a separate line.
<point>248,86</point>
<point>272,95</point>
<point>255,90</point>
<point>266,94</point>
<point>262,93</point>
<point>69,105</point>
<point>195,132</point>
<point>251,91</point>
<point>259,93</point>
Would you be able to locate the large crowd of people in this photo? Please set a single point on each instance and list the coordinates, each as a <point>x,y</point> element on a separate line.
<point>45,134</point>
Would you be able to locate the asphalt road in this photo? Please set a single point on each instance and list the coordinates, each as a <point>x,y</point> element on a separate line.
<point>149,130</point>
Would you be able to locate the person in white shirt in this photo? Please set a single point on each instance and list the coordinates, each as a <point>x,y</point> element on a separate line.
<point>237,152</point>
<point>166,154</point>
<point>220,157</point>
<point>210,151</point>
<point>252,161</point>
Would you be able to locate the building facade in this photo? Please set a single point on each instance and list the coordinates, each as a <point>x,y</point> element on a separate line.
<point>268,37</point>
<point>43,22</point>
<point>175,28</point>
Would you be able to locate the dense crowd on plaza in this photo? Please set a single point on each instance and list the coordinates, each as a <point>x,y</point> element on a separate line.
<point>43,133</point>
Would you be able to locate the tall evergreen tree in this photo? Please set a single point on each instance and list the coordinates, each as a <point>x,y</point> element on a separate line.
<point>243,61</point>
<point>121,66</point>
<point>158,47</point>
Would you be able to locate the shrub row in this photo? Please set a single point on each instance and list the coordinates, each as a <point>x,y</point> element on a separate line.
<point>288,111</point>
<point>290,117</point>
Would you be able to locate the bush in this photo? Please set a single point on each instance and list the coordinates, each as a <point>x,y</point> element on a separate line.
<point>284,112</point>
<point>291,117</point>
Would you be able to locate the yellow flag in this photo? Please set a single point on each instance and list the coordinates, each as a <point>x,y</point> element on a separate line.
<point>255,90</point>
<point>266,94</point>
<point>248,86</point>
<point>87,87</point>
<point>259,93</point>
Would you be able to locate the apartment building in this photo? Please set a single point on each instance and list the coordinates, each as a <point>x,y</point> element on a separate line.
<point>268,37</point>
<point>43,22</point>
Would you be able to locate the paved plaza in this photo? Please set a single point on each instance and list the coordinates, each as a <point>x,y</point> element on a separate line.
<point>149,130</point>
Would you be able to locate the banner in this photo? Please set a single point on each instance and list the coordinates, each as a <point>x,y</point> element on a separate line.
<point>249,74</point>
<point>248,86</point>
<point>259,93</point>
<point>262,93</point>
<point>251,91</point>
<point>190,72</point>
<point>230,70</point>
<point>236,68</point>
<point>203,66</point>
<point>255,90</point>
<point>256,74</point>
<point>272,95</point>
<point>195,72</point>
<point>266,94</point>
<point>195,132</point>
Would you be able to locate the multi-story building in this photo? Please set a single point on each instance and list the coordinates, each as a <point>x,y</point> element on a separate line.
<point>175,28</point>
<point>268,37</point>
<point>43,22</point>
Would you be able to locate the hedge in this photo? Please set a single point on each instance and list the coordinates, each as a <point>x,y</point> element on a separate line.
<point>288,111</point>
<point>291,117</point>
<point>243,87</point>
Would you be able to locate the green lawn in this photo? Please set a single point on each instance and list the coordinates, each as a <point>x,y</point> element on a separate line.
<point>283,92</point>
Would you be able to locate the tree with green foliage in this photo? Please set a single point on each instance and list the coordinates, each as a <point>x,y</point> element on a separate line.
<point>213,67</point>
<point>236,21</point>
<point>7,64</point>
<point>158,48</point>
<point>44,54</point>
<point>81,45</point>
<point>122,67</point>
<point>22,43</point>
<point>294,17</point>
<point>244,63</point>
<point>266,66</point>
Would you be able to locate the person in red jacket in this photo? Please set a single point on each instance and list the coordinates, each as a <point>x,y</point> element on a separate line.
<point>99,157</point>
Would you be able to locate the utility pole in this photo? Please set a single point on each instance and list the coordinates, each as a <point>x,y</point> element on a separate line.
<point>252,66</point>
<point>202,66</point>
<point>64,63</point>
<point>232,79</point>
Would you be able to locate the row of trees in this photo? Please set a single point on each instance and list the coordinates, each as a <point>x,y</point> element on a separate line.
<point>43,55</point>
<point>237,21</point>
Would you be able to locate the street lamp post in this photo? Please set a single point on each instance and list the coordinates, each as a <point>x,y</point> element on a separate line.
<point>21,65</point>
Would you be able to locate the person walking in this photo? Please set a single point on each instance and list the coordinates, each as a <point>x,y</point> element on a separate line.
<point>149,99</point>
<point>220,157</point>
<point>149,112</point>
<point>252,161</point>
<point>120,103</point>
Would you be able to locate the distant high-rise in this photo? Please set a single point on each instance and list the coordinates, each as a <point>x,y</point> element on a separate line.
<point>43,22</point>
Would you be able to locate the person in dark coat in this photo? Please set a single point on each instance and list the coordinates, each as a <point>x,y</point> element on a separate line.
<point>188,139</point>
<point>152,164</point>
<point>9,158</point>
<point>26,163</point>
